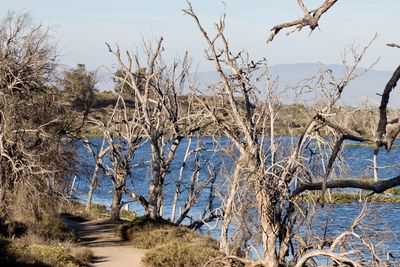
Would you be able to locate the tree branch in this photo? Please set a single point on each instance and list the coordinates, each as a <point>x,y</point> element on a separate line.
<point>310,19</point>
<point>375,187</point>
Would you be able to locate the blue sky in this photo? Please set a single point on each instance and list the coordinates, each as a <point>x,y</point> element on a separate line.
<point>82,27</point>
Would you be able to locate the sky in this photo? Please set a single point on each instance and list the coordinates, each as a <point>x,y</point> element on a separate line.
<point>81,28</point>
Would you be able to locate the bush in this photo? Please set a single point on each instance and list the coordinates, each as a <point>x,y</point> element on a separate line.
<point>139,224</point>
<point>158,237</point>
<point>182,254</point>
<point>127,215</point>
<point>12,228</point>
<point>78,209</point>
<point>350,197</point>
<point>53,229</point>
<point>393,191</point>
<point>15,254</point>
<point>168,244</point>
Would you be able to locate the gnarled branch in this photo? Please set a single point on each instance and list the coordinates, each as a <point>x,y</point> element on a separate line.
<point>375,187</point>
<point>310,19</point>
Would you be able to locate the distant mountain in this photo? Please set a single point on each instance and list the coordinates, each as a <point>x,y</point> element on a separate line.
<point>364,87</point>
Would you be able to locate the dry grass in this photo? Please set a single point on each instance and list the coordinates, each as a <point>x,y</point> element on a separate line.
<point>176,253</point>
<point>96,211</point>
<point>168,245</point>
<point>19,254</point>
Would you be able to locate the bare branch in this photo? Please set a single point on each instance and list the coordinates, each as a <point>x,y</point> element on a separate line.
<point>310,19</point>
<point>375,187</point>
<point>393,45</point>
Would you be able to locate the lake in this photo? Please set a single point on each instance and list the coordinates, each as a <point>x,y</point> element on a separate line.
<point>382,217</point>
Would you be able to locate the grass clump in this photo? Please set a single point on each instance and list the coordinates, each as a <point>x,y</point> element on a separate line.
<point>393,191</point>
<point>346,198</point>
<point>158,237</point>
<point>168,244</point>
<point>127,215</point>
<point>75,208</point>
<point>53,229</point>
<point>140,226</point>
<point>16,254</point>
<point>182,254</point>
<point>96,211</point>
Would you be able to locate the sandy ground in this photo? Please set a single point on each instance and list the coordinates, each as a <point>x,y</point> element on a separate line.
<point>108,250</point>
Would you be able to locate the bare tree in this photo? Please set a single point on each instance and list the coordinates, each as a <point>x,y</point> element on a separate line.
<point>164,124</point>
<point>98,159</point>
<point>35,155</point>
<point>266,174</point>
<point>122,136</point>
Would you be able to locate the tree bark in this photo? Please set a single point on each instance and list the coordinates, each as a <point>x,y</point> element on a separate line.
<point>179,181</point>
<point>3,191</point>
<point>92,187</point>
<point>223,243</point>
<point>269,227</point>
<point>154,189</point>
<point>116,204</point>
<point>376,187</point>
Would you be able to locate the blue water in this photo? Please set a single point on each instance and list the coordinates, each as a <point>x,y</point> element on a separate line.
<point>383,218</point>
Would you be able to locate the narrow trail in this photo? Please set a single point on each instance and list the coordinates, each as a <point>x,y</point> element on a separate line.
<point>108,250</point>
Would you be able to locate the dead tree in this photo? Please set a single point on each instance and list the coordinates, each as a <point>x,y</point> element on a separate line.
<point>266,174</point>
<point>35,155</point>
<point>163,122</point>
<point>197,183</point>
<point>386,130</point>
<point>122,136</point>
<point>98,159</point>
<point>386,133</point>
<point>247,116</point>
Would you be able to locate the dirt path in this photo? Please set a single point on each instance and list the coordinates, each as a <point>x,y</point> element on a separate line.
<point>108,250</point>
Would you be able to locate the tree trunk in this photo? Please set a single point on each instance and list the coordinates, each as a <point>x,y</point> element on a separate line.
<point>223,243</point>
<point>179,181</point>
<point>116,204</point>
<point>92,187</point>
<point>160,197</point>
<point>3,191</point>
<point>154,189</point>
<point>375,167</point>
<point>269,228</point>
